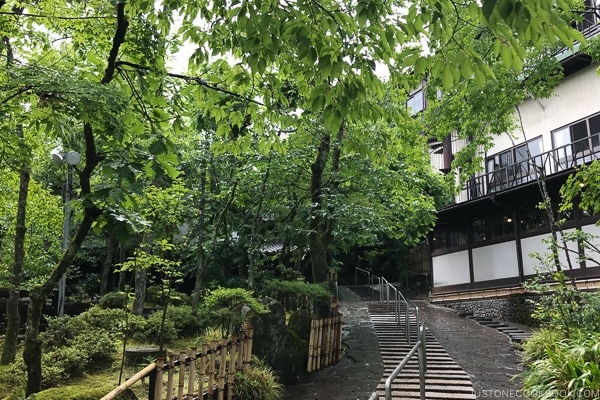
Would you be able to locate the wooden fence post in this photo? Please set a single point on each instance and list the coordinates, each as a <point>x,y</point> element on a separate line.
<point>181,384</point>
<point>192,373</point>
<point>202,370</point>
<point>158,383</point>
<point>211,370</point>
<point>222,361</point>
<point>248,349</point>
<point>232,362</point>
<point>170,374</point>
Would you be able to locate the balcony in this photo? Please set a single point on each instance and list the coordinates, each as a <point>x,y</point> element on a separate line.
<point>561,159</point>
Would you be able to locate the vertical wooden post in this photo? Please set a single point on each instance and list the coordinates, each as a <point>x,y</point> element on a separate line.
<point>241,352</point>
<point>248,349</point>
<point>311,346</point>
<point>222,361</point>
<point>181,375</point>
<point>170,375</point>
<point>202,370</point>
<point>211,370</point>
<point>319,343</point>
<point>338,339</point>
<point>232,362</point>
<point>192,373</point>
<point>158,385</point>
<point>327,331</point>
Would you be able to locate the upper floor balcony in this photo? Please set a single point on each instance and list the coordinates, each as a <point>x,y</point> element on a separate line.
<point>529,165</point>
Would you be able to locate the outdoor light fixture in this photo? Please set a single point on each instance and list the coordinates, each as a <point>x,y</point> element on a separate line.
<point>71,159</point>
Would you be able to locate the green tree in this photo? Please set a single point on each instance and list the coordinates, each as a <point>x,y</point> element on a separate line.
<point>95,74</point>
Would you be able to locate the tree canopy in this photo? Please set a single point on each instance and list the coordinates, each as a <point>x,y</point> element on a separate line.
<point>280,129</point>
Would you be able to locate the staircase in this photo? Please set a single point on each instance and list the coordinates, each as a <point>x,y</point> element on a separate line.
<point>444,379</point>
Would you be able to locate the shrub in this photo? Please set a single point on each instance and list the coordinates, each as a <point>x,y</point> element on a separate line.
<point>110,320</point>
<point>57,332</point>
<point>570,368</point>
<point>151,332</point>
<point>297,294</point>
<point>113,300</point>
<point>229,306</point>
<point>154,295</point>
<point>136,324</point>
<point>535,347</point>
<point>61,364</point>
<point>97,348</point>
<point>186,323</point>
<point>257,383</point>
<point>12,376</point>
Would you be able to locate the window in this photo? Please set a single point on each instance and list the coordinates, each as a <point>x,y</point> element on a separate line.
<point>416,102</point>
<point>449,235</point>
<point>496,226</point>
<point>577,143</point>
<point>515,166</point>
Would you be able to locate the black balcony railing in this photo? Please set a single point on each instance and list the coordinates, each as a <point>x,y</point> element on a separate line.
<point>589,19</point>
<point>560,159</point>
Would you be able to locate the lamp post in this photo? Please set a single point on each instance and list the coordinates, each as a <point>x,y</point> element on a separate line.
<point>71,159</point>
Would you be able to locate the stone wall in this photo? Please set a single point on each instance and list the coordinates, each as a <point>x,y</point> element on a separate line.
<point>513,309</point>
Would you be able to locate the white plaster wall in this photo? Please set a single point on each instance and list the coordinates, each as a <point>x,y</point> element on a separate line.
<point>594,230</point>
<point>495,262</point>
<point>575,98</point>
<point>451,269</point>
<point>535,244</point>
<point>530,245</point>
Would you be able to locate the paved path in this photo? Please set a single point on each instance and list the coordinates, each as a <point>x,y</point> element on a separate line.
<point>486,355</point>
<point>358,373</point>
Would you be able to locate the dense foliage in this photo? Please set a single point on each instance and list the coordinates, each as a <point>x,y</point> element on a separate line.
<point>279,132</point>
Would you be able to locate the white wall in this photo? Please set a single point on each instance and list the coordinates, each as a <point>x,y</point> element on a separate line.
<point>575,98</point>
<point>594,230</point>
<point>495,262</point>
<point>530,245</point>
<point>451,269</point>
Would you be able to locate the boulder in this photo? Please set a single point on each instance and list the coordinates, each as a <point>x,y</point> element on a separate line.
<point>278,345</point>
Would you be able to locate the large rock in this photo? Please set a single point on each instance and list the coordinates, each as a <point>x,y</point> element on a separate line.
<point>281,348</point>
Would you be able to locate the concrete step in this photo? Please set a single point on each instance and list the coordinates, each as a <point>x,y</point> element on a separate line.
<point>444,378</point>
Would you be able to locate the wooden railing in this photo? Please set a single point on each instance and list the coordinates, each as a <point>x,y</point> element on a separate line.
<point>208,374</point>
<point>325,344</point>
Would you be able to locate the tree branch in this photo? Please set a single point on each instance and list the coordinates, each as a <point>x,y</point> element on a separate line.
<point>194,79</point>
<point>119,38</point>
<point>51,16</point>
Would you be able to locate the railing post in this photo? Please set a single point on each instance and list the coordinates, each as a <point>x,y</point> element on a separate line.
<point>424,346</point>
<point>407,323</point>
<point>422,362</point>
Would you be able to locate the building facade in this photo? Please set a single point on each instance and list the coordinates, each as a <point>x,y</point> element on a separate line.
<point>481,246</point>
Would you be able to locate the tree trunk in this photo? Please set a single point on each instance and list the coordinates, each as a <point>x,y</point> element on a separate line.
<point>201,227</point>
<point>111,247</point>
<point>141,280</point>
<point>316,225</point>
<point>9,352</point>
<point>122,274</point>
<point>32,353</point>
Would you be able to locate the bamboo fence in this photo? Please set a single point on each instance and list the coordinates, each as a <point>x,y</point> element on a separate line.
<point>208,374</point>
<point>325,344</point>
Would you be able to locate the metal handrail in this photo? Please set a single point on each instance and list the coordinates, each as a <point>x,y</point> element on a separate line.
<point>401,303</point>
<point>356,269</point>
<point>421,349</point>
